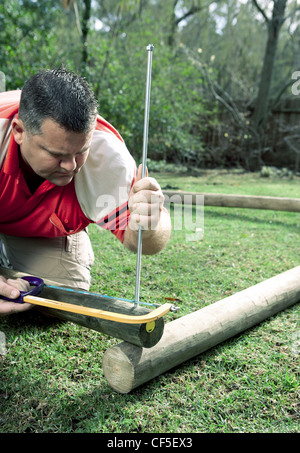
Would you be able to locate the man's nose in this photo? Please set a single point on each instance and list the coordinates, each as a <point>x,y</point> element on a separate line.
<point>68,164</point>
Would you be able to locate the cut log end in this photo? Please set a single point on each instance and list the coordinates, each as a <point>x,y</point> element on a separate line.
<point>150,338</point>
<point>119,369</point>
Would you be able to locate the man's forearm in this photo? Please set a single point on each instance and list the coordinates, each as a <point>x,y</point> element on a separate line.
<point>153,241</point>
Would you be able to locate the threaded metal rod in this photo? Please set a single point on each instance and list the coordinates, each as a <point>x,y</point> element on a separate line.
<point>150,48</point>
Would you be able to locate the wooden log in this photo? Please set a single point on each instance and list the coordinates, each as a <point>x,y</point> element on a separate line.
<point>235,201</point>
<point>126,366</point>
<point>137,334</point>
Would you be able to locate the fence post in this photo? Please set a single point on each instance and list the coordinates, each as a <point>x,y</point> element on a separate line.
<point>2,81</point>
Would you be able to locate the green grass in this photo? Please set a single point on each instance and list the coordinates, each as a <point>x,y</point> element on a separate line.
<point>51,376</point>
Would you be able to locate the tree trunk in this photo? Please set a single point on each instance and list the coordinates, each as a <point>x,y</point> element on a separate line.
<point>274,25</point>
<point>262,108</point>
<point>85,31</point>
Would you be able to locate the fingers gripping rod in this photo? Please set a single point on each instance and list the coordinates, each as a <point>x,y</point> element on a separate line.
<point>150,48</point>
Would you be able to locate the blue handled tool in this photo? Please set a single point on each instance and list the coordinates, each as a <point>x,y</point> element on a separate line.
<point>38,284</point>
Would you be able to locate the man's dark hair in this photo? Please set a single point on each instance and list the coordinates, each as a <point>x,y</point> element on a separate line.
<point>61,96</point>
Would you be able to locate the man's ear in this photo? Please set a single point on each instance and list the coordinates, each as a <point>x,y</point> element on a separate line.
<point>18,130</point>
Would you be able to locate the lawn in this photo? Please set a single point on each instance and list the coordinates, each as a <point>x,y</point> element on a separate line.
<point>51,375</point>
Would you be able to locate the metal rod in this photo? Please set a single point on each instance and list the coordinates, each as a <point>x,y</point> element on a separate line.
<point>150,48</point>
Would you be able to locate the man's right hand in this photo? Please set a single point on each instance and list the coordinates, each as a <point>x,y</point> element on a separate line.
<point>11,288</point>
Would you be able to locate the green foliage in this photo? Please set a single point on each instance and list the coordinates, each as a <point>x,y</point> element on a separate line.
<point>176,99</point>
<point>186,127</point>
<point>47,37</point>
<point>27,39</point>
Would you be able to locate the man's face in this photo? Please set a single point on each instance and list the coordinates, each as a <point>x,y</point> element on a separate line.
<point>56,154</point>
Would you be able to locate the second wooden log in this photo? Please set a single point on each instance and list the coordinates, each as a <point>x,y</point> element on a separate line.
<point>126,366</point>
<point>235,201</point>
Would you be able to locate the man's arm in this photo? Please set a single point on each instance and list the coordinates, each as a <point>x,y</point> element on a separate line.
<point>146,210</point>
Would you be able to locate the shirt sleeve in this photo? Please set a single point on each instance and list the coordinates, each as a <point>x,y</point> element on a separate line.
<point>9,105</point>
<point>104,182</point>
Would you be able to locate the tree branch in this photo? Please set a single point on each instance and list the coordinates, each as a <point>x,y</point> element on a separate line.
<point>67,5</point>
<point>278,97</point>
<point>194,9</point>
<point>292,13</point>
<point>224,98</point>
<point>261,11</point>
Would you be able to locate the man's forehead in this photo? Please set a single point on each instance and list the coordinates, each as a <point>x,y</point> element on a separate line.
<point>58,140</point>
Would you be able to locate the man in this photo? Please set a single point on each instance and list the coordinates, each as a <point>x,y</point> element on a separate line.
<point>62,167</point>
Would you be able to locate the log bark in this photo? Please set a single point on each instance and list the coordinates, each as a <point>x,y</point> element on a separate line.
<point>136,334</point>
<point>126,366</point>
<point>235,201</point>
